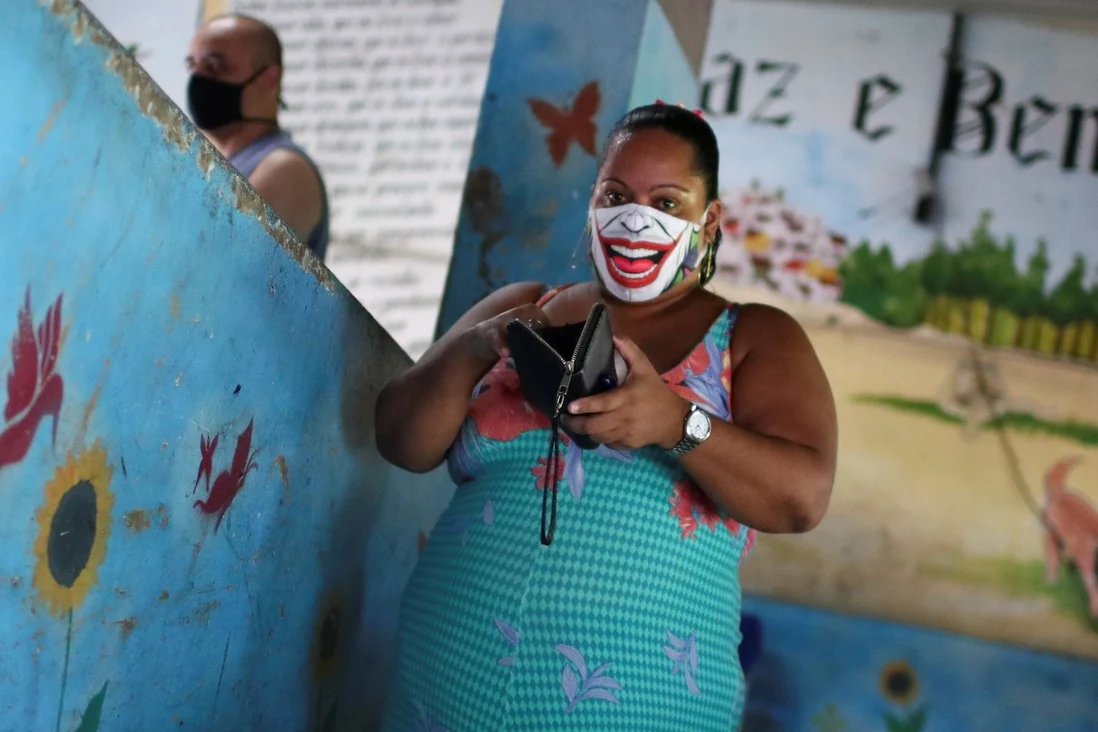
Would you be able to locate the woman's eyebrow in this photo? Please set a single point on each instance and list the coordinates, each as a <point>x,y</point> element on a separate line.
<point>658,186</point>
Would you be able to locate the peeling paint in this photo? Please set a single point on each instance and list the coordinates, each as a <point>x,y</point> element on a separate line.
<point>202,614</point>
<point>137,520</point>
<point>127,625</point>
<point>150,100</point>
<point>247,201</point>
<point>284,473</point>
<point>51,120</point>
<point>89,408</point>
<point>207,157</point>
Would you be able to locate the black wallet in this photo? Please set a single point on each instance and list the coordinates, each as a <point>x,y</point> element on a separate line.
<point>557,365</point>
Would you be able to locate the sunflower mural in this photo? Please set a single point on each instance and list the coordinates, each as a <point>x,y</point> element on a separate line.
<point>900,686</point>
<point>74,523</point>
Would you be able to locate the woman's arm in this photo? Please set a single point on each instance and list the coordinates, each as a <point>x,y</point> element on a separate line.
<point>419,412</point>
<point>773,468</point>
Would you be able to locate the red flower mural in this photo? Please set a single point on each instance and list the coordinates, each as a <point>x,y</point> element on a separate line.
<point>499,411</point>
<point>569,124</point>
<point>205,467</point>
<point>692,507</point>
<point>35,389</point>
<point>229,482</point>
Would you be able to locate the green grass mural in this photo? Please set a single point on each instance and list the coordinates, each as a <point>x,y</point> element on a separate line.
<point>976,289</point>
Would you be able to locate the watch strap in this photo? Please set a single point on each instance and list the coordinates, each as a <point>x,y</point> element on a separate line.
<point>687,443</point>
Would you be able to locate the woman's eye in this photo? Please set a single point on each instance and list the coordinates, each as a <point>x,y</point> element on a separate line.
<point>614,198</point>
<point>668,205</point>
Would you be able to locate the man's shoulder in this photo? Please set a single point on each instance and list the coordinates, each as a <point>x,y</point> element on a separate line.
<point>287,161</point>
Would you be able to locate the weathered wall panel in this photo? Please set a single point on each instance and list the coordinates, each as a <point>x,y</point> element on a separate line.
<point>827,672</point>
<point>196,530</point>
<point>554,89</point>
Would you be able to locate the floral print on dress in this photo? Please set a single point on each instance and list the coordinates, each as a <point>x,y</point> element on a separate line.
<point>692,507</point>
<point>683,652</point>
<point>465,459</point>
<point>425,722</point>
<point>579,686</point>
<point>462,523</point>
<point>499,411</point>
<point>749,545</point>
<point>726,375</point>
<point>699,379</point>
<point>512,637</point>
<point>573,473</point>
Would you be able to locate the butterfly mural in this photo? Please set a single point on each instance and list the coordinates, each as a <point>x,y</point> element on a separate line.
<point>568,124</point>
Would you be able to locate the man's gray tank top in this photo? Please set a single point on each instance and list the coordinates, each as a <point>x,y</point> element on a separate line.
<point>248,158</point>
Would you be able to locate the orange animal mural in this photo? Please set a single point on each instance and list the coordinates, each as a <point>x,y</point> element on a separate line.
<point>1071,530</point>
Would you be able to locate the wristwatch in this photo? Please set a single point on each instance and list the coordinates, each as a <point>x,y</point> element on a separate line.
<point>696,430</point>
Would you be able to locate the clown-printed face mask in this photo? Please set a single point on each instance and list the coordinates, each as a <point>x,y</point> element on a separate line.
<point>639,252</point>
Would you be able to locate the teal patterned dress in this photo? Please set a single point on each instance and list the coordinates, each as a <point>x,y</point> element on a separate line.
<point>629,620</point>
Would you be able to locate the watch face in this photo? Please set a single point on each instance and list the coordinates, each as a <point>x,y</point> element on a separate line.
<point>698,426</point>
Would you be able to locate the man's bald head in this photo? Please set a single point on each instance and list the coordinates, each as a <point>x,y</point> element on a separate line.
<point>238,40</point>
<point>255,34</point>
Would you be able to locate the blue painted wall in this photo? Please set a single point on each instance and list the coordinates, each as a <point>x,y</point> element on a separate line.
<point>153,304</point>
<point>829,672</point>
<point>522,214</point>
<point>662,69</point>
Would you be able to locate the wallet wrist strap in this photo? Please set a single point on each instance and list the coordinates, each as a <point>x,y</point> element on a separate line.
<point>552,463</point>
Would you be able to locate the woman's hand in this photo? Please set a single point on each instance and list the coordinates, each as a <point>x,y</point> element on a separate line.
<point>642,411</point>
<point>488,338</point>
<point>419,413</point>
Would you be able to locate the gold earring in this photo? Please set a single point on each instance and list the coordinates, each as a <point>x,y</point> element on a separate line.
<point>709,265</point>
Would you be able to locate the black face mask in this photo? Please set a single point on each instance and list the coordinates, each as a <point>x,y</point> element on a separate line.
<point>214,104</point>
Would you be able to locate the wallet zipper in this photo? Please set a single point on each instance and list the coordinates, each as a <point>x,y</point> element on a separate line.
<point>547,532</point>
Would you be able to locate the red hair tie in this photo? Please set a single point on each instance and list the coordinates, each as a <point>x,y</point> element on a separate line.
<point>680,105</point>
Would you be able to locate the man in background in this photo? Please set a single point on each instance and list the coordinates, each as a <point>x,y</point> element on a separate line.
<point>233,96</point>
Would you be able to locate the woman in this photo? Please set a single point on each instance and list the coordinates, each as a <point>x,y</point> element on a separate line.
<point>629,619</point>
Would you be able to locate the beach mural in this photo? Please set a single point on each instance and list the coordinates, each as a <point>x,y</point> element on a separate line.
<point>952,298</point>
